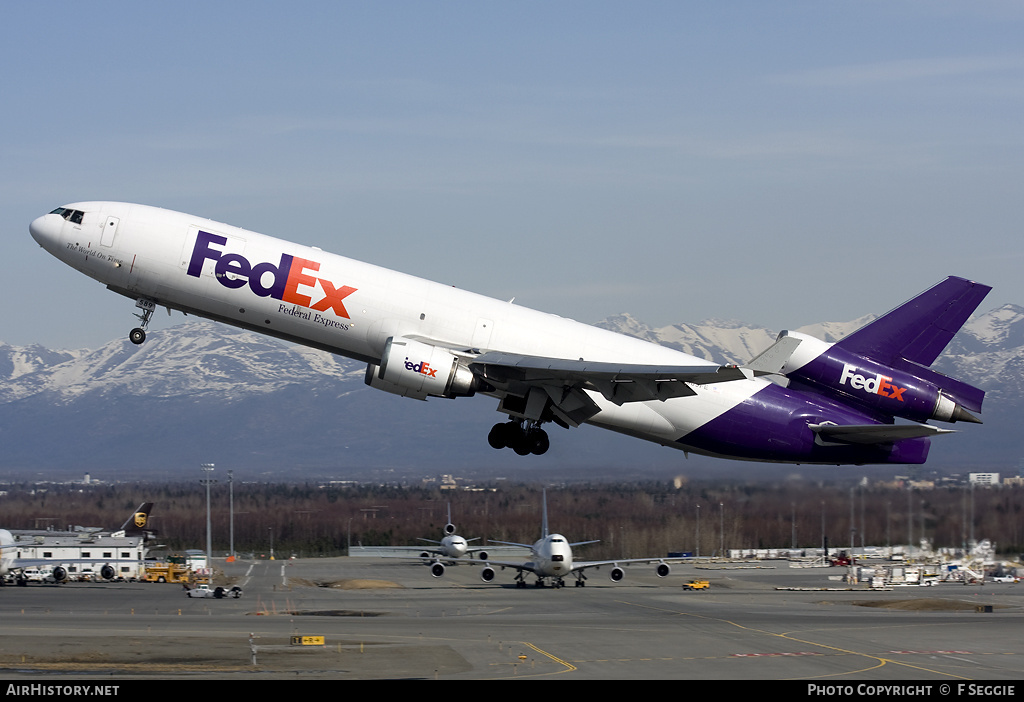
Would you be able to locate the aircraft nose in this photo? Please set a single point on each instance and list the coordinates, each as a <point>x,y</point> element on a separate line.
<point>46,230</point>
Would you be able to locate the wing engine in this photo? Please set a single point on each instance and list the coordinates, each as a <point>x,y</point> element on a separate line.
<point>413,369</point>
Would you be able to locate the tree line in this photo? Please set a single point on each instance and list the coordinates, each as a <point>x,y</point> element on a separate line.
<point>630,519</point>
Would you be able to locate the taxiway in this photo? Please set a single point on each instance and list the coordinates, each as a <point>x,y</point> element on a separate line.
<point>387,618</point>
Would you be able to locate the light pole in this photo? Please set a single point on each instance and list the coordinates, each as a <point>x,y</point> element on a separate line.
<point>698,531</point>
<point>207,469</point>
<point>721,530</point>
<point>231,512</point>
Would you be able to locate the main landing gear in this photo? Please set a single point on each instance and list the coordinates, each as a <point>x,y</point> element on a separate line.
<point>523,437</point>
<point>138,334</point>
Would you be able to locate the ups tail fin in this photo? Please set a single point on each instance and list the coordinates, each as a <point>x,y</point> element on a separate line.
<point>918,330</point>
<point>138,523</point>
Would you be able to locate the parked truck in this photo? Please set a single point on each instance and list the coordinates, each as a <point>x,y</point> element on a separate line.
<point>173,570</point>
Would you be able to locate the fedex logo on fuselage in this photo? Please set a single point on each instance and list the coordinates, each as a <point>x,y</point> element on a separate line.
<point>877,385</point>
<point>234,270</point>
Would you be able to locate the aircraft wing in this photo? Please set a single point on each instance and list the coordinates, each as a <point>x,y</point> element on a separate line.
<point>528,566</point>
<point>875,433</point>
<point>584,565</point>
<point>564,380</point>
<point>413,552</point>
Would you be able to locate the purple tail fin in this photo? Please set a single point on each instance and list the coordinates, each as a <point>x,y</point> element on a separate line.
<point>919,329</point>
<point>911,337</point>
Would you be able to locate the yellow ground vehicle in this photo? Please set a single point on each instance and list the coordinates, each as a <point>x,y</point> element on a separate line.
<point>697,585</point>
<point>173,570</point>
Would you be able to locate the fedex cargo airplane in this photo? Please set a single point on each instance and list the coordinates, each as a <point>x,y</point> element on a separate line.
<point>867,398</point>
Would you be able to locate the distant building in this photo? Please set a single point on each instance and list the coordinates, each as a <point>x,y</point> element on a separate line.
<point>85,555</point>
<point>984,478</point>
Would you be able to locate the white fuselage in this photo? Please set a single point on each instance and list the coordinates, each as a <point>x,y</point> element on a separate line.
<point>552,557</point>
<point>8,553</point>
<point>349,307</point>
<point>454,546</point>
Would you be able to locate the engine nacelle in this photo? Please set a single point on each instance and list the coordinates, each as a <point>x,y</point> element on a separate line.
<point>911,392</point>
<point>449,528</point>
<point>617,574</point>
<point>663,570</point>
<point>437,570</point>
<point>60,574</point>
<point>482,555</point>
<point>487,574</point>
<point>425,554</point>
<point>107,572</point>
<point>414,369</point>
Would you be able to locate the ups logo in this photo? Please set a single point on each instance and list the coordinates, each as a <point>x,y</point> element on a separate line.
<point>140,519</point>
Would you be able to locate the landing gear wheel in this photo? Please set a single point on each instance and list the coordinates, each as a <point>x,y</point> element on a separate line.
<point>537,439</point>
<point>522,440</point>
<point>502,434</point>
<point>137,335</point>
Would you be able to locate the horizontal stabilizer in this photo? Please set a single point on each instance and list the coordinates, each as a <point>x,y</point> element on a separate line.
<point>875,433</point>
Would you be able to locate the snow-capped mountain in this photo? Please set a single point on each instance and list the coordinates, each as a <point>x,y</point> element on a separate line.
<point>199,360</point>
<point>203,392</point>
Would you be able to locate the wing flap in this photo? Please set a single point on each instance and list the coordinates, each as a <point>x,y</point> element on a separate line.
<point>617,382</point>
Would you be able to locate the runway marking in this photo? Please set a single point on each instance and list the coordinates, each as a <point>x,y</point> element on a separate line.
<point>881,661</point>
<point>569,667</point>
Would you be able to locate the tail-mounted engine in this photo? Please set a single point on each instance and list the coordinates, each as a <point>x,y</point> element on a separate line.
<point>911,391</point>
<point>414,369</point>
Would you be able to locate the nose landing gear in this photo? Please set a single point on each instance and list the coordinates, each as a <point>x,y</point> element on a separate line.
<point>523,437</point>
<point>138,334</point>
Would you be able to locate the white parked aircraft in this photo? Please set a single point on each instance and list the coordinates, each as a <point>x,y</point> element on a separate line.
<point>552,558</point>
<point>820,403</point>
<point>452,545</point>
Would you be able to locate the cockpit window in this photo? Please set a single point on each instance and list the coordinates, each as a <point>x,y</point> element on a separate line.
<point>73,216</point>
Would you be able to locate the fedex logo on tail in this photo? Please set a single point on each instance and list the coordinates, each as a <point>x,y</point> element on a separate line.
<point>877,385</point>
<point>287,277</point>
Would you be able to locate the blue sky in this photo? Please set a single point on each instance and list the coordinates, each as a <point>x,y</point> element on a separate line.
<point>778,163</point>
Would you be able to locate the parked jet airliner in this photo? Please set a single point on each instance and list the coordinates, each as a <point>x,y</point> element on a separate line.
<point>800,401</point>
<point>552,559</point>
<point>452,545</point>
